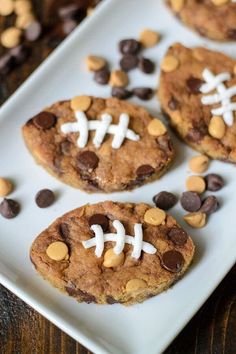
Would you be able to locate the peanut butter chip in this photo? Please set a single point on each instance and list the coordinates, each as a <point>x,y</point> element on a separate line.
<point>169,63</point>
<point>22,7</point>
<point>135,285</point>
<point>111,259</point>
<point>154,216</point>
<point>80,103</point>
<point>219,2</point>
<point>199,164</point>
<point>5,187</point>
<point>156,128</point>
<point>149,38</point>
<point>24,20</point>
<point>11,37</point>
<point>216,127</point>
<point>95,63</point>
<point>196,184</point>
<point>119,79</point>
<point>196,220</point>
<point>177,5</point>
<point>57,251</point>
<point>6,7</point>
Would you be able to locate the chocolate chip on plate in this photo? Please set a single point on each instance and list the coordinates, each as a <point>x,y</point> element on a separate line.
<point>9,208</point>
<point>68,26</point>
<point>6,63</point>
<point>121,93</point>
<point>129,46</point>
<point>214,182</point>
<point>128,62</point>
<point>144,171</point>
<point>173,261</point>
<point>44,198</point>
<point>165,200</point>
<point>44,120</point>
<point>144,93</point>
<point>191,201</point>
<point>102,76</point>
<point>194,84</point>
<point>87,160</point>
<point>209,205</point>
<point>33,31</point>
<point>99,219</point>
<point>178,236</point>
<point>146,65</point>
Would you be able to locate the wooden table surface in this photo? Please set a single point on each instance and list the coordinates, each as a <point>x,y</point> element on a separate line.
<point>22,330</point>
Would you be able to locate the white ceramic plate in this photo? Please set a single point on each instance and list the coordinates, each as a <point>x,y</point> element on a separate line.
<point>144,328</point>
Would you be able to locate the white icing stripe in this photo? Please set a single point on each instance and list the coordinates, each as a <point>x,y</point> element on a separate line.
<point>102,127</point>
<point>120,239</point>
<point>223,95</point>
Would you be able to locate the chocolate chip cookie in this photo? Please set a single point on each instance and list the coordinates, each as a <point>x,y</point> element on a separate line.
<point>215,19</point>
<point>198,95</point>
<point>99,144</point>
<point>110,252</point>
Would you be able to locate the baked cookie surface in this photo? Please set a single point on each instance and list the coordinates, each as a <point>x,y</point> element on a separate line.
<point>198,95</point>
<point>99,144</point>
<point>154,254</point>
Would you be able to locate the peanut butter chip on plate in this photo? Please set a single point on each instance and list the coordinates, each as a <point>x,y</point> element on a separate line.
<point>155,216</point>
<point>5,187</point>
<point>199,164</point>
<point>156,128</point>
<point>80,103</point>
<point>219,2</point>
<point>149,38</point>
<point>119,79</point>
<point>6,7</point>
<point>135,285</point>
<point>95,63</point>
<point>169,63</point>
<point>217,127</point>
<point>196,220</point>
<point>196,184</point>
<point>11,37</point>
<point>57,251</point>
<point>111,259</point>
<point>177,5</point>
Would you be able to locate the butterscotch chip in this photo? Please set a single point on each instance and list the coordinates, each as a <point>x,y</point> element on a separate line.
<point>80,103</point>
<point>135,285</point>
<point>111,259</point>
<point>196,220</point>
<point>6,7</point>
<point>22,7</point>
<point>199,164</point>
<point>5,187</point>
<point>155,216</point>
<point>95,63</point>
<point>169,63</point>
<point>196,184</point>
<point>149,38</point>
<point>57,251</point>
<point>217,127</point>
<point>11,37</point>
<point>156,128</point>
<point>219,2</point>
<point>24,20</point>
<point>119,79</point>
<point>177,5</point>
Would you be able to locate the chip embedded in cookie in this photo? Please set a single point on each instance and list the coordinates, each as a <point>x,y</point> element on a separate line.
<point>99,144</point>
<point>199,98</point>
<point>215,19</point>
<point>111,252</point>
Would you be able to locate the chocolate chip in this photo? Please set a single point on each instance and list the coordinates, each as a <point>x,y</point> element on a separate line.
<point>102,76</point>
<point>69,11</point>
<point>165,143</point>
<point>99,219</point>
<point>173,261</point>
<point>44,198</point>
<point>231,34</point>
<point>178,236</point>
<point>33,31</point>
<point>165,200</point>
<point>121,93</point>
<point>144,171</point>
<point>65,148</point>
<point>144,93</point>
<point>214,182</point>
<point>19,53</point>
<point>190,201</point>
<point>146,65</point>
<point>194,135</point>
<point>9,208</point>
<point>44,120</point>
<point>68,26</point>
<point>64,230</point>
<point>87,160</point>
<point>173,104</point>
<point>128,62</point>
<point>81,295</point>
<point>111,300</point>
<point>209,205</point>
<point>193,85</point>
<point>6,63</point>
<point>129,46</point>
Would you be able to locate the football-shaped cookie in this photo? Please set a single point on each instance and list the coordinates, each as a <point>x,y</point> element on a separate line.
<point>198,95</point>
<point>99,144</point>
<point>113,252</point>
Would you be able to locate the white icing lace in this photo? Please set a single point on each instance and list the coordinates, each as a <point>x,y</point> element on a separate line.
<point>102,127</point>
<point>223,95</point>
<point>120,238</point>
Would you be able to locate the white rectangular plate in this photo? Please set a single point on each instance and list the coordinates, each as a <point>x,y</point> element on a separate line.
<point>144,328</point>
